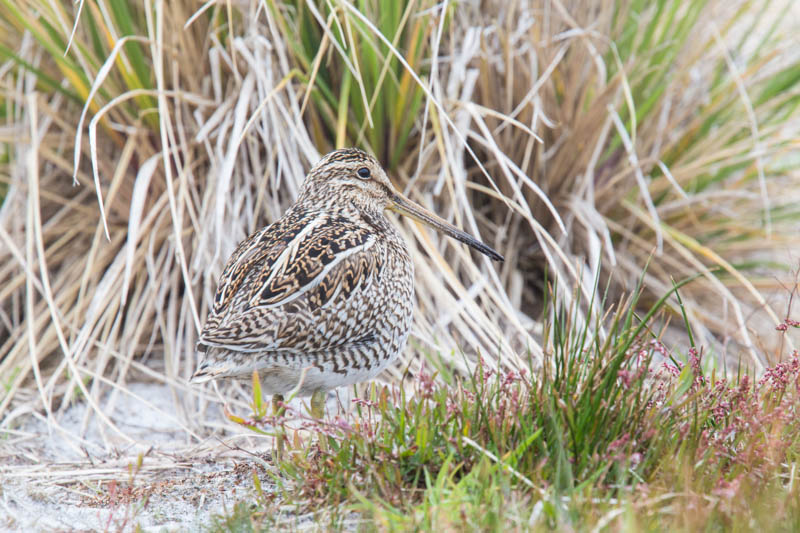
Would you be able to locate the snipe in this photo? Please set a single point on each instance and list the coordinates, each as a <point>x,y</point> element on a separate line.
<point>326,293</point>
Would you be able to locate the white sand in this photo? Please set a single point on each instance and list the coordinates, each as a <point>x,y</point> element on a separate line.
<point>57,478</point>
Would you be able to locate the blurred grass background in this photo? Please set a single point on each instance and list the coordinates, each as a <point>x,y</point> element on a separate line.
<point>141,141</point>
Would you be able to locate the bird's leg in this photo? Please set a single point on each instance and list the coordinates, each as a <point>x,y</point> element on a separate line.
<point>318,404</point>
<point>277,410</point>
<point>277,400</point>
<point>318,412</point>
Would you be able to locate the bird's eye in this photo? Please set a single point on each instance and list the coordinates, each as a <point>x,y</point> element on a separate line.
<point>363,173</point>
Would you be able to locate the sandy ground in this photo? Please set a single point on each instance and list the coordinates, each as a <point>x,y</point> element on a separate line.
<point>52,479</point>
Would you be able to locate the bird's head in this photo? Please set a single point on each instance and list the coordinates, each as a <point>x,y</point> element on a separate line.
<point>351,175</point>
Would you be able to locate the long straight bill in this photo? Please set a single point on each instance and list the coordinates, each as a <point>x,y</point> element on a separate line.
<point>404,206</point>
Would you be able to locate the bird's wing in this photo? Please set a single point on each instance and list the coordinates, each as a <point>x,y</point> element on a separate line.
<point>284,282</point>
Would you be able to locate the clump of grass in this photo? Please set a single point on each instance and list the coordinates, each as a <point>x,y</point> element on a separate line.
<point>80,100</point>
<point>617,431</point>
<point>663,127</point>
<point>361,93</point>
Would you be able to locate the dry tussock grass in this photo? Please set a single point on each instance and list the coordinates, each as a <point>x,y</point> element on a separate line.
<point>696,183</point>
<point>113,240</point>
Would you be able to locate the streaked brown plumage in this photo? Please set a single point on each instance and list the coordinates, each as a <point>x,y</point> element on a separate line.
<point>328,288</point>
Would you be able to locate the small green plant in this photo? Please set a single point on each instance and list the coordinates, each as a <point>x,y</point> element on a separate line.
<point>238,520</point>
<point>125,497</point>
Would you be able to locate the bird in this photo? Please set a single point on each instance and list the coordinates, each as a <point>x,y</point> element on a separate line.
<point>324,296</point>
